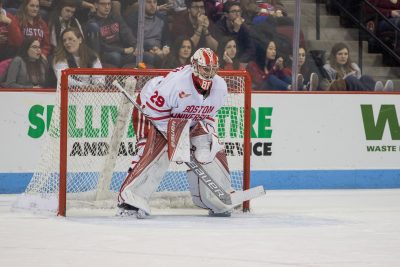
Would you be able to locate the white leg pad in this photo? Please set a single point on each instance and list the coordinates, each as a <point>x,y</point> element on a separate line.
<point>201,194</point>
<point>144,178</point>
<point>138,192</point>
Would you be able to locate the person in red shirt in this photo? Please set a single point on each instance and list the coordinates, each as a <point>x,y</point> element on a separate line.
<point>268,70</point>
<point>32,25</point>
<point>10,36</point>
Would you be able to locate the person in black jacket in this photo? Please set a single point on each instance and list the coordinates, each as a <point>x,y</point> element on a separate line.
<point>233,25</point>
<point>155,33</point>
<point>110,37</point>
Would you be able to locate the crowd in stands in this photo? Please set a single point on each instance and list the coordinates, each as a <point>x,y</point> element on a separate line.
<point>39,38</point>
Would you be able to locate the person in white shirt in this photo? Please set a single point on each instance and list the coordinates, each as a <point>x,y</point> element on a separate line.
<point>192,93</point>
<point>72,52</point>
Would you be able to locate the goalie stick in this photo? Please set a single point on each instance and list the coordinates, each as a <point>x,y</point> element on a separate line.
<point>237,197</point>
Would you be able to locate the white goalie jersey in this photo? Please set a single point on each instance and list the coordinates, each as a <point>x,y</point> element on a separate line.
<point>175,96</point>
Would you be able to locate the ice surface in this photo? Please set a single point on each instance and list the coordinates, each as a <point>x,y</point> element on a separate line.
<point>286,228</point>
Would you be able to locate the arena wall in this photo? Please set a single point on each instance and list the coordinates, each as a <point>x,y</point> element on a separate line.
<point>299,140</point>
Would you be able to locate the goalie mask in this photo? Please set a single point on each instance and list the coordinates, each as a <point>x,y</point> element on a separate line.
<point>205,66</point>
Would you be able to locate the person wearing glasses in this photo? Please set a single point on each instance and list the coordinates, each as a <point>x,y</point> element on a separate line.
<point>29,69</point>
<point>194,23</point>
<point>110,37</point>
<point>233,25</point>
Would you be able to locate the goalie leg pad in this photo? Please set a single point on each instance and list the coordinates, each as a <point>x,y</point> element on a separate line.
<point>143,180</point>
<point>201,194</point>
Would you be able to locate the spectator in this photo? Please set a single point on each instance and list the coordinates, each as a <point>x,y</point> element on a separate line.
<point>118,6</point>
<point>72,52</point>
<point>194,23</point>
<point>213,9</point>
<point>110,37</point>
<point>346,75</point>
<point>227,53</point>
<point>12,5</point>
<point>61,18</point>
<point>32,25</point>
<point>86,9</point>
<point>309,79</point>
<point>10,35</point>
<point>232,25</point>
<point>252,8</point>
<point>181,52</point>
<point>268,71</point>
<point>46,7</point>
<point>156,33</point>
<point>390,9</point>
<point>29,68</point>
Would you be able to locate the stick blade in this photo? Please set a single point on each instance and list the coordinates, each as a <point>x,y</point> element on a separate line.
<point>240,196</point>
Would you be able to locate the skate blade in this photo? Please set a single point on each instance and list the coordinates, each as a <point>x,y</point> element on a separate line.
<point>140,214</point>
<point>223,214</point>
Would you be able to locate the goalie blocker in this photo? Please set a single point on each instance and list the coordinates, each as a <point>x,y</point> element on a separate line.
<point>155,154</point>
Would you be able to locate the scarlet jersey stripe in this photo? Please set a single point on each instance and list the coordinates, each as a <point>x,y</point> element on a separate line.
<point>156,109</point>
<point>139,122</point>
<point>161,118</point>
<point>142,125</point>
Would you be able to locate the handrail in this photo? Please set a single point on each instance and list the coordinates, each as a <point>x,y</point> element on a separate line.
<point>364,28</point>
<point>382,15</point>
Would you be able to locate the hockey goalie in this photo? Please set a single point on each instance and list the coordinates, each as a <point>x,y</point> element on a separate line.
<point>179,123</point>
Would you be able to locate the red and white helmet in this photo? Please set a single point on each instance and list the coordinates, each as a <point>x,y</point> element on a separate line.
<point>205,65</point>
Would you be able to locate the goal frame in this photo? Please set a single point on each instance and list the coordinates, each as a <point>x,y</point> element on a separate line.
<point>62,200</point>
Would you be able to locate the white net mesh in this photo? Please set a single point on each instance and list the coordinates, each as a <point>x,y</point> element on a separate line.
<point>101,144</point>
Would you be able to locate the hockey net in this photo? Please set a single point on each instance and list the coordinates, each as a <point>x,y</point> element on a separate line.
<point>90,143</point>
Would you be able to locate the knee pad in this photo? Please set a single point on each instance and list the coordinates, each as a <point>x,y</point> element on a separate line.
<point>202,195</point>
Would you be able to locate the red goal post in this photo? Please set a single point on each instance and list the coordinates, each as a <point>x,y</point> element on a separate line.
<point>239,93</point>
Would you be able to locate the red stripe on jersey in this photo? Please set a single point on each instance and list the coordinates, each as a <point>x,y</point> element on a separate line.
<point>161,118</point>
<point>139,122</point>
<point>156,109</point>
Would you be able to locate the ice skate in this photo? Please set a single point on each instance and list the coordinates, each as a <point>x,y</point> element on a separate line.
<point>126,210</point>
<point>222,214</point>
